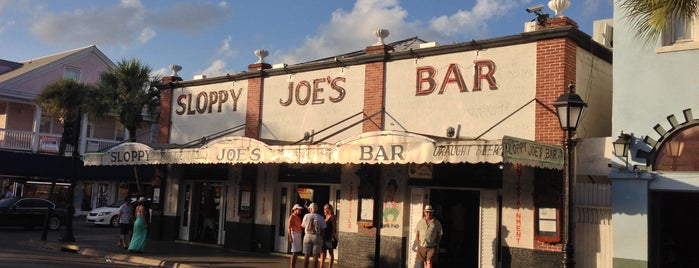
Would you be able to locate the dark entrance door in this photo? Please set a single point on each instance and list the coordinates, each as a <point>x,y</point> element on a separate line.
<point>673,230</point>
<point>457,210</point>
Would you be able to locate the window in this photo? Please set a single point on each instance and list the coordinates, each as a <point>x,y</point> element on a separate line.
<point>680,35</point>
<point>71,72</point>
<point>46,124</point>
<point>119,132</point>
<point>680,152</point>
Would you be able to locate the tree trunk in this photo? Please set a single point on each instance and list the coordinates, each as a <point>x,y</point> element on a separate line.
<point>132,138</point>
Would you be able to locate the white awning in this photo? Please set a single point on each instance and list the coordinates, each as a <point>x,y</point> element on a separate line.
<point>379,147</point>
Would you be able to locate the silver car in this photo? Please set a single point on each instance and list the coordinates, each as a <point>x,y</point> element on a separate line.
<point>108,215</point>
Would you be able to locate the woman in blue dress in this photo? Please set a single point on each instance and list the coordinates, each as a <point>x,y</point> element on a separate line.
<point>140,228</point>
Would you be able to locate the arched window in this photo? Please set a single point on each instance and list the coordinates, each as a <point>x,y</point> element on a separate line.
<point>680,152</point>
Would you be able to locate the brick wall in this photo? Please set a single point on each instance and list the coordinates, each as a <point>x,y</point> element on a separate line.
<point>253,113</point>
<point>555,69</point>
<point>374,92</point>
<point>165,110</point>
<point>513,257</point>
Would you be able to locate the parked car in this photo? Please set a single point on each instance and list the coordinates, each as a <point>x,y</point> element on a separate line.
<point>30,212</point>
<point>107,215</point>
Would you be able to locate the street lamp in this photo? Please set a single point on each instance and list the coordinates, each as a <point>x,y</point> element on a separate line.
<point>569,108</point>
<point>621,145</point>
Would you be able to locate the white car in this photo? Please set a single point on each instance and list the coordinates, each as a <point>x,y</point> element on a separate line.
<point>108,215</point>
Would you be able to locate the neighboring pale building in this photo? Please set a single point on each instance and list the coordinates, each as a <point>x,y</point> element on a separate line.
<point>655,189</point>
<point>29,138</point>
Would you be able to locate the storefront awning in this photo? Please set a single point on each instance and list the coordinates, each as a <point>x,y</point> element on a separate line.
<point>379,147</point>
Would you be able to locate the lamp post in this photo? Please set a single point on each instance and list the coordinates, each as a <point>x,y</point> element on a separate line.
<point>621,145</point>
<point>569,108</point>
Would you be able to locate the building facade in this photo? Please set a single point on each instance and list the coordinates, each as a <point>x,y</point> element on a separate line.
<point>655,185</point>
<point>29,138</point>
<point>468,128</point>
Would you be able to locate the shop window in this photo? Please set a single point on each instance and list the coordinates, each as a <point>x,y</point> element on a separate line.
<point>680,152</point>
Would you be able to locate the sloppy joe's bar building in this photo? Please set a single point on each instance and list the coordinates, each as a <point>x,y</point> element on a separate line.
<point>468,128</point>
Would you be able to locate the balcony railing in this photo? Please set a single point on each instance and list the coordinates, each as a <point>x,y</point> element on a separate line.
<point>24,141</point>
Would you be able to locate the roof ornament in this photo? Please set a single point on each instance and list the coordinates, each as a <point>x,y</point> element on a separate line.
<point>558,6</point>
<point>175,68</point>
<point>261,54</point>
<point>381,34</point>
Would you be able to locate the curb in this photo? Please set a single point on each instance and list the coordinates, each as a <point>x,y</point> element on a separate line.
<point>110,256</point>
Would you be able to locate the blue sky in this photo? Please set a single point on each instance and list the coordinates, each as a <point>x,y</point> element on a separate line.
<point>219,37</point>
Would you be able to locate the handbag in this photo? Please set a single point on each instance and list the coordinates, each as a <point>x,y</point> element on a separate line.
<point>334,244</point>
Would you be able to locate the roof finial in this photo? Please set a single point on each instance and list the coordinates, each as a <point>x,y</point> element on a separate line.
<point>174,68</point>
<point>381,34</point>
<point>558,6</point>
<point>261,54</point>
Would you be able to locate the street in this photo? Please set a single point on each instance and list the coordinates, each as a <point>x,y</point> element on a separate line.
<point>18,248</point>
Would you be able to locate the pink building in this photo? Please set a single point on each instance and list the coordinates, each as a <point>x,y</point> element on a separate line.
<point>29,138</point>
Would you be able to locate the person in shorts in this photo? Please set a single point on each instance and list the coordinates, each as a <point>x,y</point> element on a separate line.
<point>428,234</point>
<point>125,219</point>
<point>295,234</point>
<point>314,225</point>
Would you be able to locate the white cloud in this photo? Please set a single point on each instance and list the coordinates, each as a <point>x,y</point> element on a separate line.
<point>217,68</point>
<point>218,65</point>
<point>474,21</point>
<point>347,31</point>
<point>146,34</point>
<point>161,72</point>
<point>125,24</point>
<point>226,50</point>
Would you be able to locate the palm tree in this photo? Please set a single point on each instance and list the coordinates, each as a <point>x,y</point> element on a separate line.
<point>66,99</point>
<point>649,18</point>
<point>126,89</point>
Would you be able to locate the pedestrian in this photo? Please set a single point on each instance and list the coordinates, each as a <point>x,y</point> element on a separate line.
<point>329,236</point>
<point>313,224</point>
<point>125,218</point>
<point>7,193</point>
<point>428,233</point>
<point>295,229</point>
<point>140,228</point>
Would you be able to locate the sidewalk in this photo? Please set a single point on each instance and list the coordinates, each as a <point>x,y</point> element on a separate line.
<point>171,254</point>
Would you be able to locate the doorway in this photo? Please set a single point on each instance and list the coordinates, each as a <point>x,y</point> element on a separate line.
<point>673,233</point>
<point>304,195</point>
<point>458,211</point>
<point>202,212</point>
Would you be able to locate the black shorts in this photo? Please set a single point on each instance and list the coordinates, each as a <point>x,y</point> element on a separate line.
<point>124,228</point>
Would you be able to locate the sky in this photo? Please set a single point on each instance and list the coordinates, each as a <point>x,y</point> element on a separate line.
<point>215,38</point>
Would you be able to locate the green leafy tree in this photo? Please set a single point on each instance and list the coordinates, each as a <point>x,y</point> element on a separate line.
<point>66,99</point>
<point>126,90</point>
<point>649,18</point>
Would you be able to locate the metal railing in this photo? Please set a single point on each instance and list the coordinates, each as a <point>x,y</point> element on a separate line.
<point>24,141</point>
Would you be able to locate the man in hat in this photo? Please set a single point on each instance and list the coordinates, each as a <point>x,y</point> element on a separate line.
<point>295,233</point>
<point>313,224</point>
<point>428,233</point>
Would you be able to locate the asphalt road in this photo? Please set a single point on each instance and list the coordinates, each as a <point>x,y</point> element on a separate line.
<point>17,248</point>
